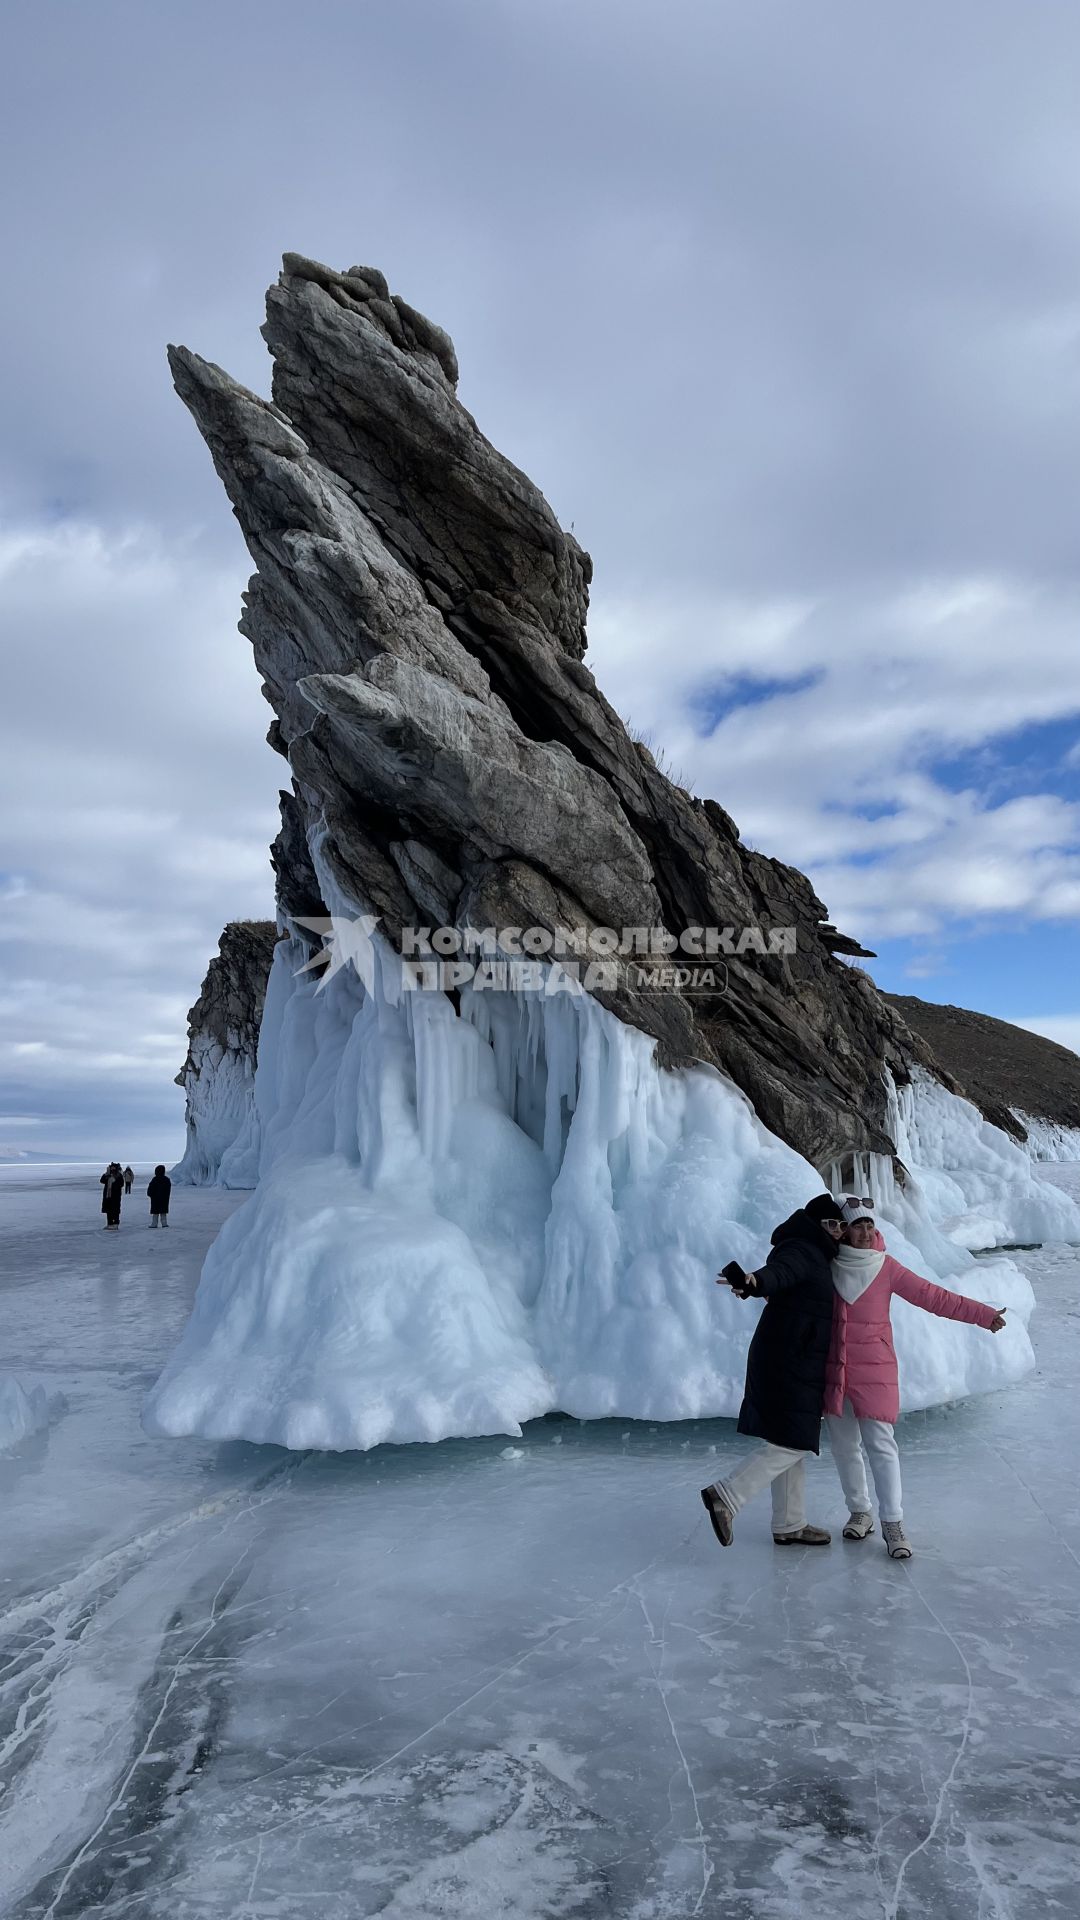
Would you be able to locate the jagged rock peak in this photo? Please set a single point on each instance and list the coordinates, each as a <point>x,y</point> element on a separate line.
<point>418,617</point>
<point>229,1006</point>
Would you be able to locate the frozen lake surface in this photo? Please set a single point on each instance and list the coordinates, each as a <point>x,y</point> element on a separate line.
<point>444,1681</point>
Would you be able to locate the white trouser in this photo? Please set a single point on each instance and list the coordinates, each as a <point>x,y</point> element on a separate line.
<point>784,1468</point>
<point>159,1219</point>
<point>848,1435</point>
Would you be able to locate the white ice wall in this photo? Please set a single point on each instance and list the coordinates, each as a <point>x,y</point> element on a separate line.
<point>465,1220</point>
<point>1046,1140</point>
<point>969,1177</point>
<point>222,1137</point>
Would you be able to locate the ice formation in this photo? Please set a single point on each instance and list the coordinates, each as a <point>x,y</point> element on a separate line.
<point>23,1411</point>
<point>220,1148</point>
<point>466,1219</point>
<point>1048,1139</point>
<point>218,1075</point>
<point>974,1182</point>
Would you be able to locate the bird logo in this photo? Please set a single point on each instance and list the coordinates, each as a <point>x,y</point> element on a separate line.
<point>346,942</point>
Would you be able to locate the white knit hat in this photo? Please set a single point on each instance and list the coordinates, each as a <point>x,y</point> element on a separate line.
<point>852,1210</point>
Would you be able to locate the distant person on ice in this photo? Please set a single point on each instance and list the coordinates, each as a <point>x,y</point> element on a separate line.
<point>862,1390</point>
<point>785,1375</point>
<point>158,1191</point>
<point>112,1190</point>
<point>129,1179</point>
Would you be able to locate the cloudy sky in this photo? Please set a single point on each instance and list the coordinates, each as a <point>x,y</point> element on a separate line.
<point>779,303</point>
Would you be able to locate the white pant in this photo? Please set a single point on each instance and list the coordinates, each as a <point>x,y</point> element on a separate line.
<point>785,1470</point>
<point>159,1219</point>
<point>848,1435</point>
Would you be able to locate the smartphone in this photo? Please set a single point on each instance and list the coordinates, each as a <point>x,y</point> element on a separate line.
<point>733,1274</point>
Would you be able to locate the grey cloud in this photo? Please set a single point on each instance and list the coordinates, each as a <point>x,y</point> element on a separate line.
<point>137,797</point>
<point>778,304</point>
<point>770,296</point>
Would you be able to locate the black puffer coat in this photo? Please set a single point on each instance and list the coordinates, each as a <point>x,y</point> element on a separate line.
<point>158,1191</point>
<point>785,1367</point>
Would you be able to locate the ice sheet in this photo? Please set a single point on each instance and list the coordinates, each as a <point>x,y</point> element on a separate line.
<point>438,1680</point>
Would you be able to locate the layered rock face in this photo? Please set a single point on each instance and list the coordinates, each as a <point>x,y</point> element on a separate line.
<point>218,1076</point>
<point>1026,1084</point>
<point>418,617</point>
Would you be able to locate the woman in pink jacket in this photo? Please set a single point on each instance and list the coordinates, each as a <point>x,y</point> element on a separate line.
<point>862,1389</point>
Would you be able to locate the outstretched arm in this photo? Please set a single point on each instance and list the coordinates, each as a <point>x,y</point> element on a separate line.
<point>949,1306</point>
<point>786,1267</point>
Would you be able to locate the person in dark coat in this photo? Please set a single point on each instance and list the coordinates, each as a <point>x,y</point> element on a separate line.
<point>785,1375</point>
<point>112,1192</point>
<point>129,1179</point>
<point>158,1193</point>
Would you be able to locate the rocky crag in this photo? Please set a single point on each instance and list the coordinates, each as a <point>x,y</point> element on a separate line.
<point>218,1075</point>
<point>418,618</point>
<point>475,1206</point>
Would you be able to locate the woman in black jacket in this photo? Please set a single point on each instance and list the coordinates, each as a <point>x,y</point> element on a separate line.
<point>785,1375</point>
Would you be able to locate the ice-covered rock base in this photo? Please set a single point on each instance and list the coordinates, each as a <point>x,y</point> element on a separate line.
<point>467,1218</point>
<point>1047,1140</point>
<point>972,1180</point>
<point>218,1076</point>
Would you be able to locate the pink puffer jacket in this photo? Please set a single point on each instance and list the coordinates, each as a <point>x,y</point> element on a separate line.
<point>862,1360</point>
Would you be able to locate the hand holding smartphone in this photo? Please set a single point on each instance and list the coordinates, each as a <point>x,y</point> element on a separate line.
<point>735,1277</point>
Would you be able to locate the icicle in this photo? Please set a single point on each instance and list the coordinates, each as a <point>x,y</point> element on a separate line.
<point>464,1219</point>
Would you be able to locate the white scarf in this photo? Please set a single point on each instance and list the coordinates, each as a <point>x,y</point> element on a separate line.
<point>854,1269</point>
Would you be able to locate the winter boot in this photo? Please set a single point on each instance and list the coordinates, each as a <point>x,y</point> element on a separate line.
<point>896,1540</point>
<point>805,1537</point>
<point>858,1525</point>
<point>719,1513</point>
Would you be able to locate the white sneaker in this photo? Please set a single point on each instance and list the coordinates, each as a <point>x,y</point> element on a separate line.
<point>858,1525</point>
<point>896,1539</point>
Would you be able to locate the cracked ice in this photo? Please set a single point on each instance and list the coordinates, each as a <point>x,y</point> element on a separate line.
<point>462,1679</point>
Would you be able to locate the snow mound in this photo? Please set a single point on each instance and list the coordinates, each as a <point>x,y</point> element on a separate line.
<point>467,1219</point>
<point>22,1411</point>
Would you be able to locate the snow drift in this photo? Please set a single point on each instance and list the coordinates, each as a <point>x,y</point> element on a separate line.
<point>467,1219</point>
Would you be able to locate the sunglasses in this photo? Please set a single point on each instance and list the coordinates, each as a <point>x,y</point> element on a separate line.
<point>859,1200</point>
